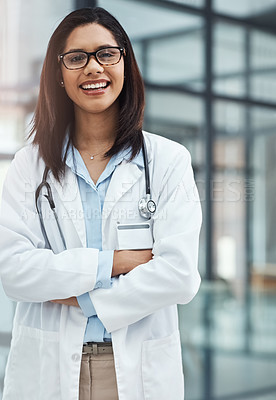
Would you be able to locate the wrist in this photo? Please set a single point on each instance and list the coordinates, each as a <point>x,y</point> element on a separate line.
<point>118,263</point>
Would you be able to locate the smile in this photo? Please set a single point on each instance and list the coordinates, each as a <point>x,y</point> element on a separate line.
<point>94,86</point>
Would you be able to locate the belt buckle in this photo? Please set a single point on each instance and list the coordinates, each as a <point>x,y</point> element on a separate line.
<point>90,348</point>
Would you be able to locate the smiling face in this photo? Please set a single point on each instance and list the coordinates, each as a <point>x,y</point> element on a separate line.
<point>94,88</point>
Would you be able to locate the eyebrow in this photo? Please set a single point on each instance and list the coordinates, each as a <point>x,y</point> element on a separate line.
<point>103,46</point>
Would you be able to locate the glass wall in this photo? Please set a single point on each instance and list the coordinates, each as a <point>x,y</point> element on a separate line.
<point>205,91</point>
<point>262,66</point>
<point>244,8</point>
<point>229,44</point>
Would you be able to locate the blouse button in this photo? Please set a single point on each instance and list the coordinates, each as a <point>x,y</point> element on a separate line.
<point>75,357</point>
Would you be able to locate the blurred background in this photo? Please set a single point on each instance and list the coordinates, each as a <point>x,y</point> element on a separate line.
<point>209,68</point>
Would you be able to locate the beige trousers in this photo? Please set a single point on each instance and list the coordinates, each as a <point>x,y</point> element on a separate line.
<point>97,377</point>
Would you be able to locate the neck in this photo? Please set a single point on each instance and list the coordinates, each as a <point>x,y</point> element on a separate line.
<point>95,131</point>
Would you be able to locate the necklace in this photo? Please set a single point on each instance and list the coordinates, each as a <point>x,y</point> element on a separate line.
<point>92,156</point>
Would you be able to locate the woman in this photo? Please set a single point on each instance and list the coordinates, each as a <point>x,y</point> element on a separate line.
<point>96,283</point>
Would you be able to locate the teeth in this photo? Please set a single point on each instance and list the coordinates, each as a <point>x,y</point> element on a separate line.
<point>95,86</point>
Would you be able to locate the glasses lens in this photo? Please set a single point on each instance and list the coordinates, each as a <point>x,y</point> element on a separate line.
<point>75,60</point>
<point>108,55</point>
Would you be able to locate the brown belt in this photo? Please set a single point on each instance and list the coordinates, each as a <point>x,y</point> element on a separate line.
<point>97,348</point>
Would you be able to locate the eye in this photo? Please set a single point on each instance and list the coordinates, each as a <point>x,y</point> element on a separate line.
<point>75,58</point>
<point>108,54</point>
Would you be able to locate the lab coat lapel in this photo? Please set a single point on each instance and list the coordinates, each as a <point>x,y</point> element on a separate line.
<point>69,194</point>
<point>124,177</point>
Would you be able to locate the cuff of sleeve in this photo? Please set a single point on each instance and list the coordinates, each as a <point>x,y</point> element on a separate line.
<point>105,264</point>
<point>86,305</point>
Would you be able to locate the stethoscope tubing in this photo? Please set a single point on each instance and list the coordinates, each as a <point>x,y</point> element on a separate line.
<point>146,205</point>
<point>51,202</point>
<point>146,165</point>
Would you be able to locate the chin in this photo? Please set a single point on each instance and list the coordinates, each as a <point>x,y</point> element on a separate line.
<point>101,108</point>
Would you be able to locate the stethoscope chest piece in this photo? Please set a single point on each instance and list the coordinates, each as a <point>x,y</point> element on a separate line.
<point>147,207</point>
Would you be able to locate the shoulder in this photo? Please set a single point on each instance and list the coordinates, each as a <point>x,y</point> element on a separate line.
<point>169,161</point>
<point>27,163</point>
<point>28,152</point>
<point>165,148</point>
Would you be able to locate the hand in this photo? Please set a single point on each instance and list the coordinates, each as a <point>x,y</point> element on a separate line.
<point>71,301</point>
<point>126,260</point>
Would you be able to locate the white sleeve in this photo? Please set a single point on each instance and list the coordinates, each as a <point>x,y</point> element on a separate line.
<point>171,277</point>
<point>29,272</point>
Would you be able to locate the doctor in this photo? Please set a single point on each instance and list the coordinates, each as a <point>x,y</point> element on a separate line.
<point>96,283</point>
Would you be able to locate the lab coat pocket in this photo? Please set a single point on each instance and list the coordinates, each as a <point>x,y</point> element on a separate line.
<point>32,370</point>
<point>162,368</point>
<point>135,236</point>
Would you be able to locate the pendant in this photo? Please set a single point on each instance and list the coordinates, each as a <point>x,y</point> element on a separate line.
<point>91,157</point>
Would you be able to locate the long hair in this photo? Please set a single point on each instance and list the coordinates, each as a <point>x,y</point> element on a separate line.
<point>54,112</point>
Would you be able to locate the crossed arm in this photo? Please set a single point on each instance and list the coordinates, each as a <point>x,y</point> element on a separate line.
<point>123,262</point>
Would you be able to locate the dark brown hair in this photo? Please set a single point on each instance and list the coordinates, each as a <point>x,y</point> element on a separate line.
<point>54,112</point>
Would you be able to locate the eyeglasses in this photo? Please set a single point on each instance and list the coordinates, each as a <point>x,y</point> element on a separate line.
<point>79,59</point>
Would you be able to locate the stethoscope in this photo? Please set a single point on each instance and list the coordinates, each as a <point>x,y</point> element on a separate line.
<point>146,205</point>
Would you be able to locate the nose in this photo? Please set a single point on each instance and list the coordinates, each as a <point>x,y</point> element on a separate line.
<point>93,66</point>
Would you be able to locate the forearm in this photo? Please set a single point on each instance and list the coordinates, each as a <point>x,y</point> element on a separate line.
<point>170,278</point>
<point>125,261</point>
<point>39,275</point>
<point>32,274</point>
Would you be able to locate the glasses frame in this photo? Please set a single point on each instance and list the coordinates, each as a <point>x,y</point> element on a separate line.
<point>92,53</point>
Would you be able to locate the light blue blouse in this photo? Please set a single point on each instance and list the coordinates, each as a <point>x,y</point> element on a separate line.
<point>92,196</point>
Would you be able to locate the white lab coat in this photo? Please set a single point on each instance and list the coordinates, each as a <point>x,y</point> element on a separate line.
<point>139,309</point>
